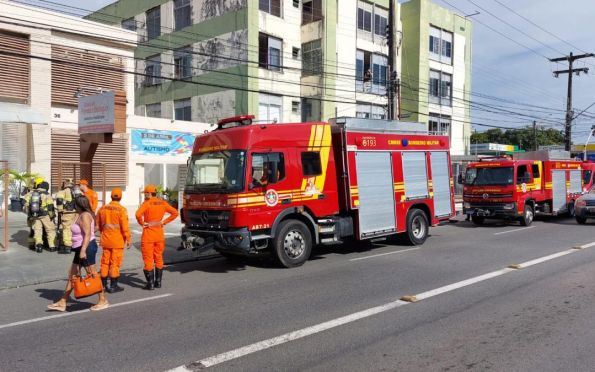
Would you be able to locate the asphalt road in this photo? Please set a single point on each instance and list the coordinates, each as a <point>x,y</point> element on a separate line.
<point>342,310</point>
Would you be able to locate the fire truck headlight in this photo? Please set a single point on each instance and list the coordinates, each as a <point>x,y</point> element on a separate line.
<point>466,205</point>
<point>508,206</point>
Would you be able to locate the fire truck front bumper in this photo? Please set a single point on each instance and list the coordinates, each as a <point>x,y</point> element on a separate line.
<point>491,210</point>
<point>233,241</point>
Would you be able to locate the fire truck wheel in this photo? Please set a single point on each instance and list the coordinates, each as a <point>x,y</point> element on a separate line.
<point>292,244</point>
<point>528,215</point>
<point>417,227</point>
<point>581,220</point>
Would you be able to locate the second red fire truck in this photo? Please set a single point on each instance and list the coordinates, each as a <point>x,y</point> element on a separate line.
<point>284,188</point>
<point>519,188</point>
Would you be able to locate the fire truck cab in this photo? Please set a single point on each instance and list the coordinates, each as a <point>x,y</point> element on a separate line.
<point>519,188</point>
<point>284,188</point>
<point>588,176</point>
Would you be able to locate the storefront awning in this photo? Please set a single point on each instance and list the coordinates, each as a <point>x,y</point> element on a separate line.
<point>16,113</point>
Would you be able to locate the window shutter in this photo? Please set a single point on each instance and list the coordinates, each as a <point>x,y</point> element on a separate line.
<point>15,70</point>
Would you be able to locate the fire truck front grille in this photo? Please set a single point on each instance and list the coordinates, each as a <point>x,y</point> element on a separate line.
<point>496,206</point>
<point>489,196</point>
<point>207,219</point>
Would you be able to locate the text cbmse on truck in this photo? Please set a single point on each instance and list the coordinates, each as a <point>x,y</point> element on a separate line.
<point>284,188</point>
<point>533,182</point>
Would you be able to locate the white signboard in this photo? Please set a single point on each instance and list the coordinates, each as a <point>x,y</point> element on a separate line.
<point>96,113</point>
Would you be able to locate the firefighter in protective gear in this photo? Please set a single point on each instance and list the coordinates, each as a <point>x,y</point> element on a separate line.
<point>66,214</point>
<point>150,217</point>
<point>112,220</point>
<point>39,206</point>
<point>90,194</point>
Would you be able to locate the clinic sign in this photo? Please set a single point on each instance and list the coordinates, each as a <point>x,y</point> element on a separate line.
<point>96,113</point>
<point>161,142</point>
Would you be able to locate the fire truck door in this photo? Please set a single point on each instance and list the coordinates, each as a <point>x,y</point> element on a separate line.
<point>441,182</point>
<point>376,193</point>
<point>558,190</point>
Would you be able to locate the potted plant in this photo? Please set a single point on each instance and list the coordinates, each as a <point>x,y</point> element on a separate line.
<point>18,182</point>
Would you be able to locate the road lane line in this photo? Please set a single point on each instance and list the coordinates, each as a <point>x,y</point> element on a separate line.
<point>461,284</point>
<point>383,254</point>
<point>509,231</point>
<point>543,259</point>
<point>588,245</point>
<point>65,314</point>
<point>291,336</point>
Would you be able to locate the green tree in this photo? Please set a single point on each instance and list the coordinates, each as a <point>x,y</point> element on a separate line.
<point>521,137</point>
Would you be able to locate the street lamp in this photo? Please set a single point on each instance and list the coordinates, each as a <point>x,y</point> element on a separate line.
<point>587,143</point>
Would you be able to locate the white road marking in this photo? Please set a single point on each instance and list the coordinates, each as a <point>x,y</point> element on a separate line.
<point>291,336</point>
<point>509,231</point>
<point>461,284</point>
<point>166,234</point>
<point>383,254</point>
<point>544,259</point>
<point>588,245</point>
<point>71,313</point>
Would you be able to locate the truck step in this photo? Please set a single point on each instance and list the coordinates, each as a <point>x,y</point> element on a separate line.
<point>326,229</point>
<point>332,240</point>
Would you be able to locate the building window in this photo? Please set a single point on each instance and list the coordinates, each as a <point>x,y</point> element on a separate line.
<point>153,70</point>
<point>440,45</point>
<point>153,23</point>
<point>183,109</point>
<point>129,24</point>
<point>440,88</point>
<point>380,23</point>
<point>270,6</point>
<point>379,73</point>
<point>183,63</point>
<point>368,111</point>
<point>311,109</point>
<point>269,52</point>
<point>312,58</point>
<point>296,3</point>
<point>439,125</point>
<point>270,108</point>
<point>295,53</point>
<point>363,71</point>
<point>311,11</point>
<point>153,110</point>
<point>295,107</point>
<point>364,19</point>
<point>311,164</point>
<point>182,14</point>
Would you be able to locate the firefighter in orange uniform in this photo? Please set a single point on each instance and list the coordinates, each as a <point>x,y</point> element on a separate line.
<point>150,217</point>
<point>90,194</point>
<point>112,221</point>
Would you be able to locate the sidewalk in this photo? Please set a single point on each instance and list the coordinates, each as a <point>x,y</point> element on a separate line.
<point>20,266</point>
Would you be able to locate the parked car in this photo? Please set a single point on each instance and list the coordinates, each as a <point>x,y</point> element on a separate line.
<point>585,207</point>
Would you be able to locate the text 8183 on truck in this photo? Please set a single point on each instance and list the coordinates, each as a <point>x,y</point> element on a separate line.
<point>285,188</point>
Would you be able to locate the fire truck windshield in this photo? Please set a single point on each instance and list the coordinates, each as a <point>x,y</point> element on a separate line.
<point>587,176</point>
<point>489,176</point>
<point>219,171</point>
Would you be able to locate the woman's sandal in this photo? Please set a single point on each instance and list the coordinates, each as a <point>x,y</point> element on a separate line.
<point>98,307</point>
<point>56,306</point>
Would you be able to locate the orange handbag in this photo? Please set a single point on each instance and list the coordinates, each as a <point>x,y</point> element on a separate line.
<point>86,285</point>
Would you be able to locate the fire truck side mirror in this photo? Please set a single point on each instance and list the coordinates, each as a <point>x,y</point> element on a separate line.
<point>461,179</point>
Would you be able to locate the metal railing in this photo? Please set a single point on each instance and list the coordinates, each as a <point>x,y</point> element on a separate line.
<point>4,211</point>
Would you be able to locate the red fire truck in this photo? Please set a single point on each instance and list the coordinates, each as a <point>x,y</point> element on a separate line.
<point>519,188</point>
<point>284,188</point>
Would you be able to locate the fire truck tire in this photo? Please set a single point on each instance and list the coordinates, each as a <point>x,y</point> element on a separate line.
<point>292,244</point>
<point>581,220</point>
<point>528,216</point>
<point>478,220</point>
<point>418,227</point>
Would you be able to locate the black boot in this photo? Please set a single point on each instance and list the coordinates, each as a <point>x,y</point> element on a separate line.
<point>105,285</point>
<point>52,249</point>
<point>158,274</point>
<point>114,285</point>
<point>39,248</point>
<point>67,250</point>
<point>150,280</point>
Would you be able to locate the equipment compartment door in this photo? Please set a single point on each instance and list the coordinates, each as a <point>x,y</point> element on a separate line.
<point>441,182</point>
<point>576,177</point>
<point>558,190</point>
<point>376,193</point>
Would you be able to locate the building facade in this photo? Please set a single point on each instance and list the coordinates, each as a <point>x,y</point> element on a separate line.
<point>47,61</point>
<point>281,60</point>
<point>436,70</point>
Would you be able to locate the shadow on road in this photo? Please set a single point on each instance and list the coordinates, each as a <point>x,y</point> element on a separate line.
<point>133,280</point>
<point>20,237</point>
<point>73,305</point>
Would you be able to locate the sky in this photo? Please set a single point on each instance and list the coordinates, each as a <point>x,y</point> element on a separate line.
<point>512,78</point>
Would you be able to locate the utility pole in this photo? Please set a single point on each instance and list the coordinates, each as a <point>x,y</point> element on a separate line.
<point>570,58</point>
<point>392,73</point>
<point>534,135</point>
